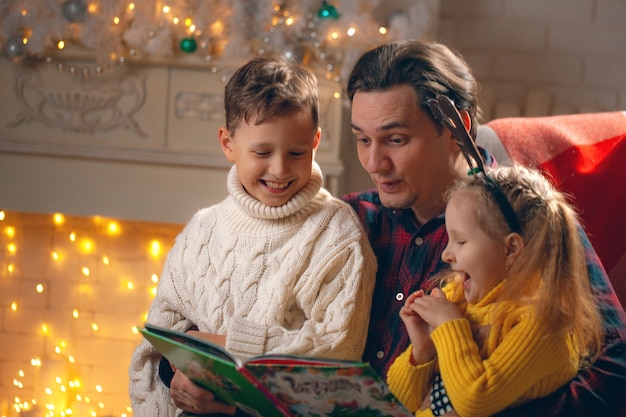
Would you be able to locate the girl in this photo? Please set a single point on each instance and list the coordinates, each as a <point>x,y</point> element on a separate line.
<point>516,318</point>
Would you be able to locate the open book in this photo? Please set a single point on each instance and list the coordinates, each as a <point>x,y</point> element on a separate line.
<point>278,385</point>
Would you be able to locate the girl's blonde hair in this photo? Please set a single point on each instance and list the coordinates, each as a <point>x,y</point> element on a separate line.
<point>551,272</point>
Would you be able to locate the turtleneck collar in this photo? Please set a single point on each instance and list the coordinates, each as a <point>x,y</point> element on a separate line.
<point>256,209</point>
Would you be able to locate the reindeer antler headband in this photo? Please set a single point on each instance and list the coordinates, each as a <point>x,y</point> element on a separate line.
<point>444,110</point>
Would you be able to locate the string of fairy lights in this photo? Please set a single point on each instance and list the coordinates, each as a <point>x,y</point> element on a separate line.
<point>50,383</point>
<point>328,35</point>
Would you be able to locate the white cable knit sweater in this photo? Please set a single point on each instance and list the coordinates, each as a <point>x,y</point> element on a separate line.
<point>295,279</point>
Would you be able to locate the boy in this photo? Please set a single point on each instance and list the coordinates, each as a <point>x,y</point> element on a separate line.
<point>279,266</point>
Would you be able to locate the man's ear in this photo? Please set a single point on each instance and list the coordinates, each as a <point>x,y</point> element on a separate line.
<point>467,123</point>
<point>466,119</point>
<point>514,245</point>
<point>226,142</point>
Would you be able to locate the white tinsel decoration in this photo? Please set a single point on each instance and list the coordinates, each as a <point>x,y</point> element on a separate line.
<point>227,32</point>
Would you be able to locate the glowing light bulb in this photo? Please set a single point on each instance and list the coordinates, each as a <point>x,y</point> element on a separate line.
<point>12,248</point>
<point>154,278</point>
<point>85,271</point>
<point>61,45</point>
<point>87,245</point>
<point>153,291</point>
<point>116,20</point>
<point>58,219</point>
<point>166,9</point>
<point>39,288</point>
<point>55,255</point>
<point>334,35</point>
<point>2,215</point>
<point>94,327</point>
<point>351,31</point>
<point>11,268</point>
<point>44,329</point>
<point>75,313</point>
<point>105,260</point>
<point>14,306</point>
<point>98,388</point>
<point>9,231</point>
<point>113,228</point>
<point>382,30</point>
<point>131,6</point>
<point>73,237</point>
<point>155,248</point>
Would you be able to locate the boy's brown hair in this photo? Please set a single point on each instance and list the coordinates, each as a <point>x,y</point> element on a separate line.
<point>267,87</point>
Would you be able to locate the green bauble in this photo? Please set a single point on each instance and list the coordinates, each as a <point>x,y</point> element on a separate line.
<point>188,45</point>
<point>328,11</point>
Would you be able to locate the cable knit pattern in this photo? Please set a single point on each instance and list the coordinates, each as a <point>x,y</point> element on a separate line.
<point>295,279</point>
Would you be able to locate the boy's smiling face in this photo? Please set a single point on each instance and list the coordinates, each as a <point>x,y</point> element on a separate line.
<point>273,159</point>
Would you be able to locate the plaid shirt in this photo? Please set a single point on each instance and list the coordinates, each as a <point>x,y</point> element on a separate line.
<point>409,254</point>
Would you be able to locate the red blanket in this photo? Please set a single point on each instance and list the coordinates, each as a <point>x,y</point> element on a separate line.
<point>585,154</point>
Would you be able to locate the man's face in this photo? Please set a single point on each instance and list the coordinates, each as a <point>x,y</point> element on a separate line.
<point>411,162</point>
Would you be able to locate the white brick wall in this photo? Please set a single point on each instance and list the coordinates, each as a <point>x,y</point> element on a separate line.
<point>573,50</point>
<point>101,356</point>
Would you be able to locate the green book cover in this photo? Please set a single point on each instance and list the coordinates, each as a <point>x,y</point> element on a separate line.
<point>278,385</point>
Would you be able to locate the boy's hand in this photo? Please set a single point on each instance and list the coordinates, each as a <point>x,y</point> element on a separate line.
<point>190,397</point>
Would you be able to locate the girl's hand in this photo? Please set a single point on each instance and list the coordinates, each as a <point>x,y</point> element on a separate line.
<point>423,348</point>
<point>436,309</point>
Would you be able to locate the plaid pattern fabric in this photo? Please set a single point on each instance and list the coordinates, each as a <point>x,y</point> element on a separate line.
<point>408,252</point>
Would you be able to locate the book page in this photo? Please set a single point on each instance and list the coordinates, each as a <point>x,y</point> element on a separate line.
<point>310,388</point>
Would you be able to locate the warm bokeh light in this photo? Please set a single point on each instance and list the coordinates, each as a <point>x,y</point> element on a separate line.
<point>9,231</point>
<point>60,388</point>
<point>155,248</point>
<point>58,219</point>
<point>86,245</point>
<point>113,228</point>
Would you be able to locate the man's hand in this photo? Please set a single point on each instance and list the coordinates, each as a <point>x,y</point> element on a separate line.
<point>190,397</point>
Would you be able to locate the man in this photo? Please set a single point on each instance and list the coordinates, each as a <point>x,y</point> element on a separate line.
<point>413,160</point>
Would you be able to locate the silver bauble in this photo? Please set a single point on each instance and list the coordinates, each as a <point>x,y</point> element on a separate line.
<point>75,10</point>
<point>15,50</point>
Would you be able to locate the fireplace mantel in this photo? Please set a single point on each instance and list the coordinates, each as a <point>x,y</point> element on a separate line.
<point>137,142</point>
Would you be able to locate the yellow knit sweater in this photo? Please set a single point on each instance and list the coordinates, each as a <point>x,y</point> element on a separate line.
<point>517,361</point>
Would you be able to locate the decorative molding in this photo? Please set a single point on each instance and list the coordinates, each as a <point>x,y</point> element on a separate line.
<point>200,106</point>
<point>87,105</point>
